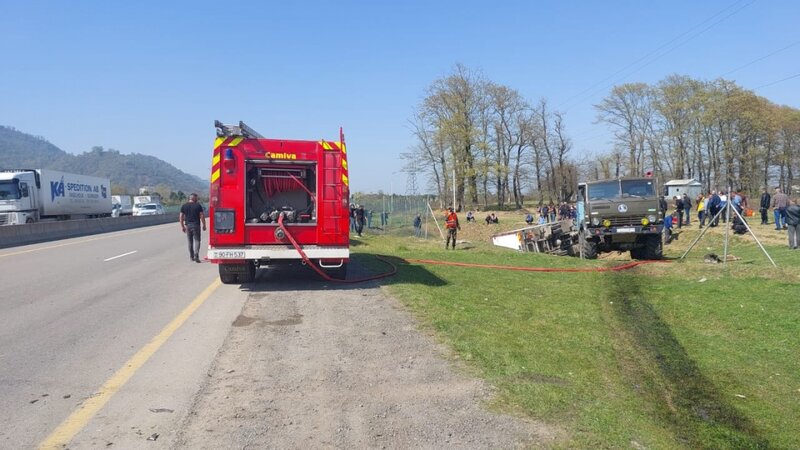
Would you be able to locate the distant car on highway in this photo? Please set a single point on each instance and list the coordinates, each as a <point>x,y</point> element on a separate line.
<point>148,209</point>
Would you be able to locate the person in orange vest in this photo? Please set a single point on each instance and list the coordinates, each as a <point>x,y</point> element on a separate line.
<point>451,223</point>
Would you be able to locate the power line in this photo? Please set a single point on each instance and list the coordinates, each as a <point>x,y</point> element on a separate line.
<point>645,56</point>
<point>591,137</point>
<point>760,59</point>
<point>662,54</point>
<point>778,81</point>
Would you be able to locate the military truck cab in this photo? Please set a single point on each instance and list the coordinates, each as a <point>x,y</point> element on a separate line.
<point>620,215</point>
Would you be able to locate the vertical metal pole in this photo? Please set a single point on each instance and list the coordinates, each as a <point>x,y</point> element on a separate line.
<point>454,189</point>
<point>727,226</point>
<point>427,202</point>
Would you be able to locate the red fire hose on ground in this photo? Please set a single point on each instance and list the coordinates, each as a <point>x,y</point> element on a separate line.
<point>626,266</point>
<point>327,277</point>
<point>321,272</point>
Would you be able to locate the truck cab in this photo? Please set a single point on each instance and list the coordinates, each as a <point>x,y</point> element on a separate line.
<point>17,201</point>
<point>620,215</point>
<point>31,195</point>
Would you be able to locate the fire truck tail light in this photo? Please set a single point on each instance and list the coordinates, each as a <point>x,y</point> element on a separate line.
<point>228,160</point>
<point>224,221</point>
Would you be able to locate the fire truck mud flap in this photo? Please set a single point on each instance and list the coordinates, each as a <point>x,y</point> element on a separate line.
<point>244,272</point>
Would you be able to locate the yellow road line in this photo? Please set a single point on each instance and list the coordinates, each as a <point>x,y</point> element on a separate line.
<point>104,236</point>
<point>78,420</point>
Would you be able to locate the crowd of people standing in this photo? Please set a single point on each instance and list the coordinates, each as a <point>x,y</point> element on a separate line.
<point>711,209</point>
<point>705,209</point>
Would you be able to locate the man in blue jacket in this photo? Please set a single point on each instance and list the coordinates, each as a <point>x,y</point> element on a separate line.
<point>668,220</point>
<point>714,207</point>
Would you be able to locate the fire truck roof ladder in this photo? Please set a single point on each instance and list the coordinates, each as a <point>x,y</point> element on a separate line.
<point>236,130</point>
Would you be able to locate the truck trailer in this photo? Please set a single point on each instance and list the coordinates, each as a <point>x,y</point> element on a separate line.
<point>141,199</point>
<point>31,195</point>
<point>122,205</point>
<point>277,201</point>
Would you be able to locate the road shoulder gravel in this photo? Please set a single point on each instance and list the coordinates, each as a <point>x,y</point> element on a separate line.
<point>345,367</point>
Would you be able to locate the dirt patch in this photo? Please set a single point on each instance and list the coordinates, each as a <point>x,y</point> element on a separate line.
<point>342,367</point>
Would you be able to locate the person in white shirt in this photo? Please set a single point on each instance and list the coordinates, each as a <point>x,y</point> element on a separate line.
<point>723,203</point>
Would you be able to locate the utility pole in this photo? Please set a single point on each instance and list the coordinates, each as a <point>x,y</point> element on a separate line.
<point>411,179</point>
<point>454,189</point>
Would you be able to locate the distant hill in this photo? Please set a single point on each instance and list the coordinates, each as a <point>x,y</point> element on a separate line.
<point>128,173</point>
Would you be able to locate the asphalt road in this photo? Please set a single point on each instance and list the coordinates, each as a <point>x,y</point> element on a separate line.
<point>75,311</point>
<point>119,341</point>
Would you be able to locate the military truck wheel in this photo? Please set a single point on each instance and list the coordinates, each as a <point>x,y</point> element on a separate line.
<point>653,248</point>
<point>637,253</point>
<point>589,249</point>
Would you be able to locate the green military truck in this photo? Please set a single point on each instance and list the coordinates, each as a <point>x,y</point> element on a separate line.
<point>620,215</point>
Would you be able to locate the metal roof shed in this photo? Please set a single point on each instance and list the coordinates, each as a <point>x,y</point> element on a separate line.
<point>690,187</point>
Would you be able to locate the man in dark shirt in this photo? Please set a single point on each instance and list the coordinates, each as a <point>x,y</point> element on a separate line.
<point>714,207</point>
<point>191,219</point>
<point>793,223</point>
<point>687,207</point>
<point>679,209</point>
<point>360,219</point>
<point>766,200</point>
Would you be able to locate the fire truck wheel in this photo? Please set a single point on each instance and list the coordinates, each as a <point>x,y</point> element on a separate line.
<point>228,278</point>
<point>249,273</point>
<point>237,273</point>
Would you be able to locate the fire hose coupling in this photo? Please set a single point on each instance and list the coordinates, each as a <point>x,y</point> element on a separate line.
<point>280,233</point>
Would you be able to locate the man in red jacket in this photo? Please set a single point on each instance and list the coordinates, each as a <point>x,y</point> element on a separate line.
<point>451,223</point>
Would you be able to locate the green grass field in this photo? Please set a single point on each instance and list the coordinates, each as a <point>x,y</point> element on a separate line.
<point>679,355</point>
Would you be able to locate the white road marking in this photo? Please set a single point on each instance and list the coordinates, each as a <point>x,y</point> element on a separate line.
<point>74,241</point>
<point>120,256</point>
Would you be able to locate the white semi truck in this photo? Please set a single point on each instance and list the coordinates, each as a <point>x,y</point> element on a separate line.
<point>31,195</point>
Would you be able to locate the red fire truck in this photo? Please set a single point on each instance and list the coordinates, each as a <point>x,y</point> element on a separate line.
<point>276,201</point>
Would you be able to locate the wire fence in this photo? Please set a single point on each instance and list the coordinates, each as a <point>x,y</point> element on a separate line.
<point>388,213</point>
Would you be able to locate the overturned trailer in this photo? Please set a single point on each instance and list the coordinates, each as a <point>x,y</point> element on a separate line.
<point>556,238</point>
<point>614,215</point>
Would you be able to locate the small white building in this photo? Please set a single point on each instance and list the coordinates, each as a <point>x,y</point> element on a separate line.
<point>691,187</point>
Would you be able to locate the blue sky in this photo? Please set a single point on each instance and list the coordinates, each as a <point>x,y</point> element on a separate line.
<point>151,77</point>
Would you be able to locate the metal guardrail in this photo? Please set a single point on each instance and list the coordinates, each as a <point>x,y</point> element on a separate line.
<point>32,233</point>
